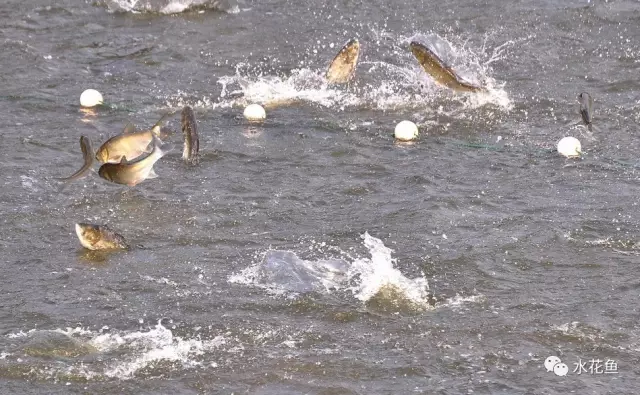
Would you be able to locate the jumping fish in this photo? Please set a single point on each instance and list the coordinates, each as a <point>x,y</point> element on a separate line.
<point>99,237</point>
<point>343,66</point>
<point>586,107</point>
<point>191,140</point>
<point>133,173</point>
<point>441,72</point>
<point>87,155</point>
<point>130,144</point>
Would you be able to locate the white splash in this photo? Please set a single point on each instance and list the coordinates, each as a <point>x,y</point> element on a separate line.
<point>170,6</point>
<point>378,84</point>
<point>126,353</point>
<point>284,273</point>
<point>379,271</point>
<point>157,344</point>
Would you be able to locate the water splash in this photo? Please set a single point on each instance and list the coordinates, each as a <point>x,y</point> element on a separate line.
<point>377,277</point>
<point>170,6</point>
<point>374,281</point>
<point>105,354</point>
<point>284,273</point>
<point>157,344</point>
<point>394,84</point>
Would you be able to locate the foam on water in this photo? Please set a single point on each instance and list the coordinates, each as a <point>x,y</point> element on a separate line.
<point>372,279</point>
<point>170,6</point>
<point>128,353</point>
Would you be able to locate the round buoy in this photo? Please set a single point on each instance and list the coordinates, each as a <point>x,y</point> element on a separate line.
<point>254,112</point>
<point>406,131</point>
<point>90,98</point>
<point>570,147</point>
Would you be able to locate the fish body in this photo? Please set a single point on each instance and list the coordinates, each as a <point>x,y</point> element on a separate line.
<point>586,107</point>
<point>99,237</point>
<point>191,140</point>
<point>343,66</point>
<point>87,155</point>
<point>133,173</point>
<point>130,144</point>
<point>440,71</point>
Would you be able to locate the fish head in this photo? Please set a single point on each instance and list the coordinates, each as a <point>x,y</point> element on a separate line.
<point>102,155</point>
<point>88,234</point>
<point>586,107</point>
<point>343,66</point>
<point>104,173</point>
<point>585,99</point>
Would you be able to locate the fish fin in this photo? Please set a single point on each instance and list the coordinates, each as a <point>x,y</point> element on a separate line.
<point>163,149</point>
<point>87,151</point>
<point>129,128</point>
<point>152,174</point>
<point>156,129</point>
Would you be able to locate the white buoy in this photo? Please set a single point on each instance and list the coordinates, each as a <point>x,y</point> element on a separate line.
<point>90,98</point>
<point>254,112</point>
<point>570,147</point>
<point>406,131</point>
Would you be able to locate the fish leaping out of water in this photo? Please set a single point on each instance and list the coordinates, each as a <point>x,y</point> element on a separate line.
<point>100,237</point>
<point>440,71</point>
<point>343,66</point>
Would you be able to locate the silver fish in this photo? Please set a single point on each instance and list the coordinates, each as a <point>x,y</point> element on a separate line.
<point>586,107</point>
<point>191,140</point>
<point>130,144</point>
<point>343,66</point>
<point>440,71</point>
<point>99,237</point>
<point>133,173</point>
<point>87,155</point>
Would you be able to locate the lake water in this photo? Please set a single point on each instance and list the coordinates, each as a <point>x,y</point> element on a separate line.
<point>312,254</point>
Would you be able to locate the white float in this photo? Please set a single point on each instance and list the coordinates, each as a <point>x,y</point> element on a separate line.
<point>406,131</point>
<point>254,112</point>
<point>90,98</point>
<point>570,147</point>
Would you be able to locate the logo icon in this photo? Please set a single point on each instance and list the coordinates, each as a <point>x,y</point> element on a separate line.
<point>555,365</point>
<point>560,369</point>
<point>550,362</point>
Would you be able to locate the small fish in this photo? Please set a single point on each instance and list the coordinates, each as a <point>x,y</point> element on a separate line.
<point>133,173</point>
<point>343,66</point>
<point>87,154</point>
<point>100,237</point>
<point>191,140</point>
<point>441,72</point>
<point>586,107</point>
<point>130,144</point>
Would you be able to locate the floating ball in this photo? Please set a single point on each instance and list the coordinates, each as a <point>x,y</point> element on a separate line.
<point>254,112</point>
<point>90,98</point>
<point>570,147</point>
<point>406,131</point>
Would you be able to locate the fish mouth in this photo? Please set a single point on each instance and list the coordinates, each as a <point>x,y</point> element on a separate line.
<point>83,240</point>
